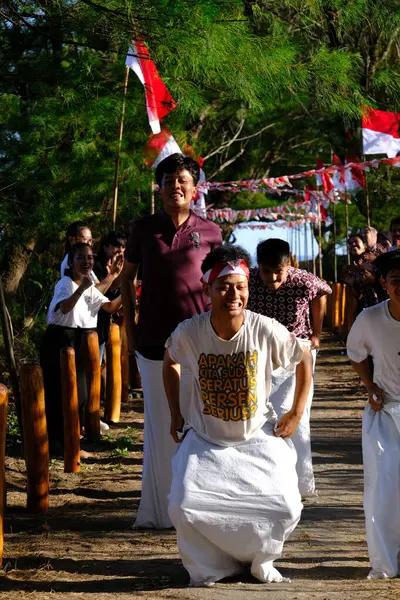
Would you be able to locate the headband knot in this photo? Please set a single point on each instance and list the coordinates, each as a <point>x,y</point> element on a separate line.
<point>223,268</point>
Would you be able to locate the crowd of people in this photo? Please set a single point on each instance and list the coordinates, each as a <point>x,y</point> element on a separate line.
<point>226,355</point>
<point>361,275</point>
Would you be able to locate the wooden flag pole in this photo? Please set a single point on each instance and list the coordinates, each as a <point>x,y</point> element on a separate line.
<point>153,203</point>
<point>117,160</point>
<point>307,257</point>
<point>346,212</point>
<point>319,240</point>
<point>367,196</point>
<point>334,243</point>
<point>314,266</point>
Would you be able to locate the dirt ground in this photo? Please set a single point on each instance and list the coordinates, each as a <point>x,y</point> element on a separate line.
<point>85,549</point>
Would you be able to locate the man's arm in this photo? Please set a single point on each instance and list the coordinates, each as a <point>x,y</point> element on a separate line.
<point>318,312</point>
<point>128,293</point>
<point>288,423</point>
<point>375,394</point>
<point>171,376</point>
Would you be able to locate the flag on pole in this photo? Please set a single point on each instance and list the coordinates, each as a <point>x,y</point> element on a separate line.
<point>348,180</point>
<point>159,101</point>
<point>324,179</point>
<point>160,146</point>
<point>380,131</point>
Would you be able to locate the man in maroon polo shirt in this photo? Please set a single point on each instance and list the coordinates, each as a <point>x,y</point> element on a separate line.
<point>170,247</point>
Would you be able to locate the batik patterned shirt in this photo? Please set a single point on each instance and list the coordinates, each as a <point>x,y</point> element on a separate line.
<point>290,303</point>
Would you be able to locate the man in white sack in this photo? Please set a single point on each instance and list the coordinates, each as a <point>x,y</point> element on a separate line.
<point>376,333</point>
<point>296,299</point>
<point>234,496</point>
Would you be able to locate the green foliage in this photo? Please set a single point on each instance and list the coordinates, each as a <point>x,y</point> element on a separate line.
<point>262,89</point>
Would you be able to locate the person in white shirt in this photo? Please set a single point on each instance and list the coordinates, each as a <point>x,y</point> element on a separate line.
<point>376,333</point>
<point>72,312</point>
<point>234,496</point>
<point>77,232</point>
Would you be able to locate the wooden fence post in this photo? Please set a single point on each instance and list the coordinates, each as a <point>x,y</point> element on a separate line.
<point>36,442</point>
<point>114,381</point>
<point>91,359</point>
<point>3,427</point>
<point>336,306</point>
<point>124,364</point>
<point>70,411</point>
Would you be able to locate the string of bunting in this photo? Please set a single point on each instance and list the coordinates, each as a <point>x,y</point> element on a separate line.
<point>274,183</point>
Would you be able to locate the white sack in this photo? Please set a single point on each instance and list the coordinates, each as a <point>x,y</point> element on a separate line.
<point>381,457</point>
<point>281,398</point>
<point>233,505</point>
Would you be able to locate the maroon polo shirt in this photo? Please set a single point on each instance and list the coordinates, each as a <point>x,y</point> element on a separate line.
<point>170,263</point>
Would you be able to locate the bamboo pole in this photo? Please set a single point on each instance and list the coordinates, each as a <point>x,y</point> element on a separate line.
<point>367,203</point>
<point>36,442</point>
<point>3,428</point>
<point>70,411</point>
<point>91,358</point>
<point>314,266</point>
<point>114,380</point>
<point>298,243</point>
<point>346,213</point>
<point>117,160</point>
<point>334,243</point>
<point>306,245</point>
<point>319,240</point>
<point>124,364</point>
<point>153,202</point>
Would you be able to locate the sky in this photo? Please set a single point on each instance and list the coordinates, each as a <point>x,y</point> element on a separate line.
<point>249,239</point>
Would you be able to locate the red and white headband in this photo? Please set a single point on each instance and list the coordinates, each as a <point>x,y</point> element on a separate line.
<point>221,269</point>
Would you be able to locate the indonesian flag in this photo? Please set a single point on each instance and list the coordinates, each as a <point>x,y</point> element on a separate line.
<point>324,179</point>
<point>160,146</point>
<point>348,180</point>
<point>380,131</point>
<point>159,101</point>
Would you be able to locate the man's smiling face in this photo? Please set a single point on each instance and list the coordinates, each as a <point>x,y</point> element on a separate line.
<point>177,190</point>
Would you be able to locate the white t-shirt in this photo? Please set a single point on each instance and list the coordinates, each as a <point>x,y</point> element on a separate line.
<point>64,265</point>
<point>228,399</point>
<point>84,313</point>
<point>376,333</point>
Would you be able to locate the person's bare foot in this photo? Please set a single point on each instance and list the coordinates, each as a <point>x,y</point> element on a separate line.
<point>84,454</point>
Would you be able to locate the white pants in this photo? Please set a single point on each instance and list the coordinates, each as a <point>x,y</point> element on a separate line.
<point>281,398</point>
<point>233,505</point>
<point>381,457</point>
<point>159,448</point>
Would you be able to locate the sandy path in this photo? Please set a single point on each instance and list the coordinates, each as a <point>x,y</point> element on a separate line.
<point>84,549</point>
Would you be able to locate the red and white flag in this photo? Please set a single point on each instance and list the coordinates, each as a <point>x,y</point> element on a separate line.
<point>159,101</point>
<point>348,180</point>
<point>380,131</point>
<point>160,146</point>
<point>324,179</point>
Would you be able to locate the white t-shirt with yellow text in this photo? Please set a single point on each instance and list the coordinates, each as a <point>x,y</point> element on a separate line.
<point>227,400</point>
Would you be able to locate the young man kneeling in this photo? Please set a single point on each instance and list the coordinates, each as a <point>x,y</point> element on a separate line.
<point>376,333</point>
<point>234,497</point>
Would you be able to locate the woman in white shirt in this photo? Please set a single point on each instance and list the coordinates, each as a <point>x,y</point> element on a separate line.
<point>72,312</point>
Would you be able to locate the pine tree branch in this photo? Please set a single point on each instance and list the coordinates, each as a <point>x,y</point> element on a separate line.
<point>225,146</point>
<point>228,162</point>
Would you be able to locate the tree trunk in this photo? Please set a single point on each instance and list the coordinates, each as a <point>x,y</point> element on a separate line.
<point>14,265</point>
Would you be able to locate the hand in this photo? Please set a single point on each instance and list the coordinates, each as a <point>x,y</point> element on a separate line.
<point>287,425</point>
<point>85,284</point>
<point>116,264</point>
<point>315,341</point>
<point>177,424</point>
<point>370,256</point>
<point>375,397</point>
<point>368,278</point>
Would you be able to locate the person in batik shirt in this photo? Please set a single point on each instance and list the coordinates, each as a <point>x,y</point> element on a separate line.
<point>296,299</point>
